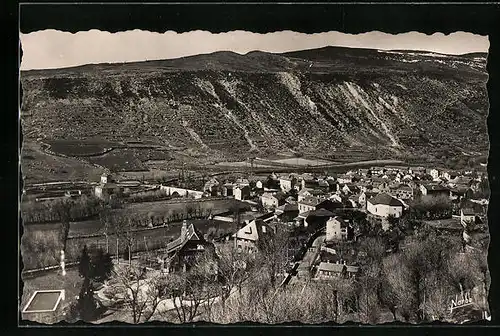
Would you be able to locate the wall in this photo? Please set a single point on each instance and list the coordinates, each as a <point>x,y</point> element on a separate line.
<point>223,219</point>
<point>182,192</point>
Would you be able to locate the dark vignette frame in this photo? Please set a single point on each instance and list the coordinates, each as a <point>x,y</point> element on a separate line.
<point>360,17</point>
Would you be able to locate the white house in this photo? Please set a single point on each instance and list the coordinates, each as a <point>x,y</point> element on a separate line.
<point>269,200</point>
<point>365,196</point>
<point>308,204</point>
<point>286,184</point>
<point>106,178</point>
<point>342,179</point>
<point>383,205</point>
<point>241,192</point>
<point>247,237</point>
<point>435,174</point>
<point>336,229</point>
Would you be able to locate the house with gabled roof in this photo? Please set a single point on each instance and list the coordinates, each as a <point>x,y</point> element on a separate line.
<point>383,205</point>
<point>247,238</point>
<point>269,200</point>
<point>308,192</point>
<point>434,189</point>
<point>182,252</point>
<point>327,270</point>
<point>308,204</point>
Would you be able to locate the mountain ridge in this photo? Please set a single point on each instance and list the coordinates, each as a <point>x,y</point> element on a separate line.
<point>222,105</point>
<point>233,54</point>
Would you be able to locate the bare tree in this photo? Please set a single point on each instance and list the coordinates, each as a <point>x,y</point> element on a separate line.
<point>63,211</point>
<point>273,252</point>
<point>186,292</point>
<point>437,300</point>
<point>398,294</point>
<point>141,295</point>
<point>123,227</point>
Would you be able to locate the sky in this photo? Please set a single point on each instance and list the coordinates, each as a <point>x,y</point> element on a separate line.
<point>50,49</point>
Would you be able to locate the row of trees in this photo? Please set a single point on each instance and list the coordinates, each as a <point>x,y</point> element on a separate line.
<point>190,211</point>
<point>431,207</point>
<point>57,210</point>
<point>148,196</point>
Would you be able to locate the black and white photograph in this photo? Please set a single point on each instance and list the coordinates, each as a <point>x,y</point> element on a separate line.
<point>272,178</point>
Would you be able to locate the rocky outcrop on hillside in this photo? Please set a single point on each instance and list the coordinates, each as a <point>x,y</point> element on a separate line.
<point>323,102</point>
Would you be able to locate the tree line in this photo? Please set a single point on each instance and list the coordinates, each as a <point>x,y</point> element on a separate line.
<point>57,210</point>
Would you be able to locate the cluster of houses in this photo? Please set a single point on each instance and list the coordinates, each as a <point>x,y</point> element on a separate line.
<point>240,189</point>
<point>308,201</point>
<point>380,191</point>
<point>313,201</point>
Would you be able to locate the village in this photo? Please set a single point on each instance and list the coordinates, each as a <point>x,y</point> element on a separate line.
<point>305,229</point>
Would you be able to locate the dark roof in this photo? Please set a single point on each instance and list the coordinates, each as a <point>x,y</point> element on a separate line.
<point>329,204</point>
<point>330,267</point>
<point>310,201</point>
<point>265,216</point>
<point>321,213</point>
<point>191,233</point>
<point>289,207</point>
<point>385,199</point>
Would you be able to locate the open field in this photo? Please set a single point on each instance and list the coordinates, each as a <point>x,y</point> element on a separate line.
<point>162,208</point>
<point>44,245</point>
<point>159,208</point>
<point>83,148</point>
<point>40,166</point>
<point>303,162</point>
<point>244,164</point>
<point>119,160</point>
<point>75,228</point>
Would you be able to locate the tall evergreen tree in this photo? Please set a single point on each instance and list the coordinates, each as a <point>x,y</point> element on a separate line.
<point>102,265</point>
<point>85,265</point>
<point>86,306</point>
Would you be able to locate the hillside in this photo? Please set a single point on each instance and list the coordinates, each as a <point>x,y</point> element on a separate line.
<point>329,102</point>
